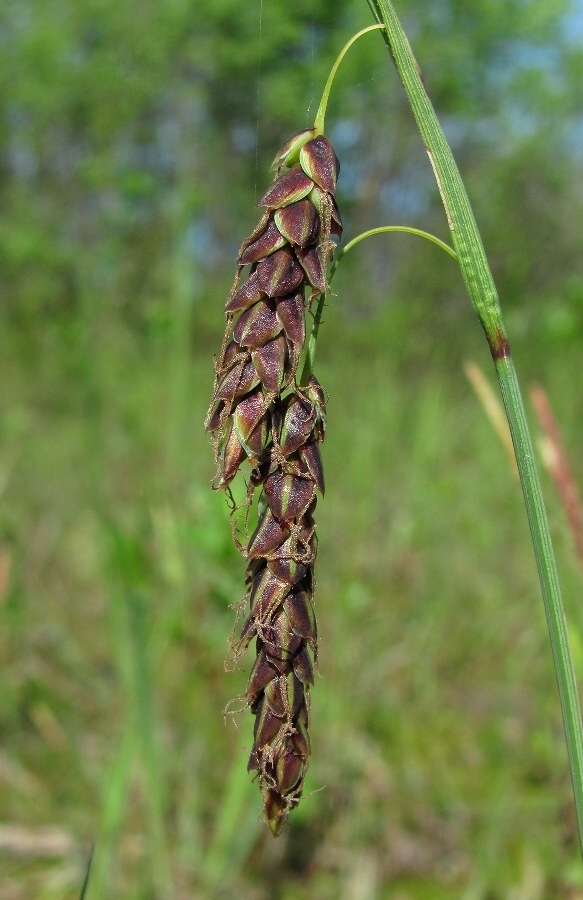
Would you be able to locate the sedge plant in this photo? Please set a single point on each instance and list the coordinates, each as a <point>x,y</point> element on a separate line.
<point>268,413</point>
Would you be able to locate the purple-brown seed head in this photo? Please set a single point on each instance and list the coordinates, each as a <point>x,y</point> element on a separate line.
<point>263,419</point>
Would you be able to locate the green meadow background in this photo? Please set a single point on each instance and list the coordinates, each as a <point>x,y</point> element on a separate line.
<point>135,139</point>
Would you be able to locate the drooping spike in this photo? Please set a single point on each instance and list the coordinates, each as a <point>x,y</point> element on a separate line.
<point>261,412</point>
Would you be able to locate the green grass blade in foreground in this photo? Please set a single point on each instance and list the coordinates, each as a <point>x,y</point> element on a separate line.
<point>152,771</point>
<point>85,884</point>
<point>115,795</point>
<point>482,291</point>
<point>236,827</point>
<point>138,753</point>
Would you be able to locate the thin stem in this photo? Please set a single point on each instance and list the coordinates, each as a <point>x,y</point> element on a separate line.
<point>384,229</point>
<point>482,291</point>
<point>85,884</point>
<point>321,114</point>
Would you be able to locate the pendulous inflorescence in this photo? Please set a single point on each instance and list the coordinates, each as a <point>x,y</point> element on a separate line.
<point>269,410</point>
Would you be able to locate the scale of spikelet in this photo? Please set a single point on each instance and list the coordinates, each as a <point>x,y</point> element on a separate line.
<point>260,413</point>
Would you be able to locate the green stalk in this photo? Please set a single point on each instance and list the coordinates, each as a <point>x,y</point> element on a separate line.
<point>308,366</point>
<point>321,114</point>
<point>482,291</point>
<point>387,229</point>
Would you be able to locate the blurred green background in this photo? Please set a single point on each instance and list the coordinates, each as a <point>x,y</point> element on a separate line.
<point>135,141</point>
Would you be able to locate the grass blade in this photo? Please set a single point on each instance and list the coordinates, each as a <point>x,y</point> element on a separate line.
<point>85,884</point>
<point>482,291</point>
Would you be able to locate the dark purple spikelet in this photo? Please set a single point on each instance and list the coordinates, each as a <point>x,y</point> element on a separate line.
<point>261,413</point>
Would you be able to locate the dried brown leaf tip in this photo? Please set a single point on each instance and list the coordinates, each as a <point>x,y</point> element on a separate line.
<point>262,414</point>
